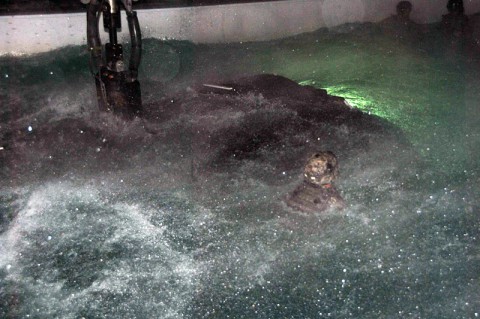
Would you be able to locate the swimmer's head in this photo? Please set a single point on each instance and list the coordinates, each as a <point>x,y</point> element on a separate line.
<point>404,8</point>
<point>321,168</point>
<point>455,6</point>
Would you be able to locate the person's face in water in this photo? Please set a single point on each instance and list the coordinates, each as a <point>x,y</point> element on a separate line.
<point>404,9</point>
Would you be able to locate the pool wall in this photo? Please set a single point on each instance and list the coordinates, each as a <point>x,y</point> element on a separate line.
<point>27,34</point>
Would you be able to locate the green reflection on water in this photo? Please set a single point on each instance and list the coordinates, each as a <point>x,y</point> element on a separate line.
<point>361,100</point>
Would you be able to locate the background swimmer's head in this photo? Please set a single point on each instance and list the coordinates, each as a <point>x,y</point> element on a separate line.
<point>404,8</point>
<point>321,168</point>
<point>455,6</point>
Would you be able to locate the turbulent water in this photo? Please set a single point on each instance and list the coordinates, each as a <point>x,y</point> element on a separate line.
<point>102,218</point>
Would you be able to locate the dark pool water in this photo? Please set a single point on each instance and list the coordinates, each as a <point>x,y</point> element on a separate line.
<point>115,224</point>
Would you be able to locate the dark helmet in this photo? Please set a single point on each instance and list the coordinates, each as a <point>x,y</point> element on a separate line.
<point>455,6</point>
<point>404,7</point>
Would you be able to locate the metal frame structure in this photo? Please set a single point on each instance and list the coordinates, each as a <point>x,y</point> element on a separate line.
<point>118,89</point>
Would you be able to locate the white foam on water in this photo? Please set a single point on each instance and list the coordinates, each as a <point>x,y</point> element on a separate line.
<point>25,221</point>
<point>55,209</point>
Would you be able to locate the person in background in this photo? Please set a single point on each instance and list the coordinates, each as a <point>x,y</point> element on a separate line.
<point>400,25</point>
<point>455,23</point>
<point>404,8</point>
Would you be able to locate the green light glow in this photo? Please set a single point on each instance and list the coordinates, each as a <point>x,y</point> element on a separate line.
<point>392,111</point>
<point>356,99</point>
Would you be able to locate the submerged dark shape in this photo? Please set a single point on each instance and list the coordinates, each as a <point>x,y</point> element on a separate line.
<point>263,128</point>
<point>316,193</point>
<point>260,128</point>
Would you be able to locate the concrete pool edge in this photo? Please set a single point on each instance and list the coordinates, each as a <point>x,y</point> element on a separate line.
<point>30,34</point>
